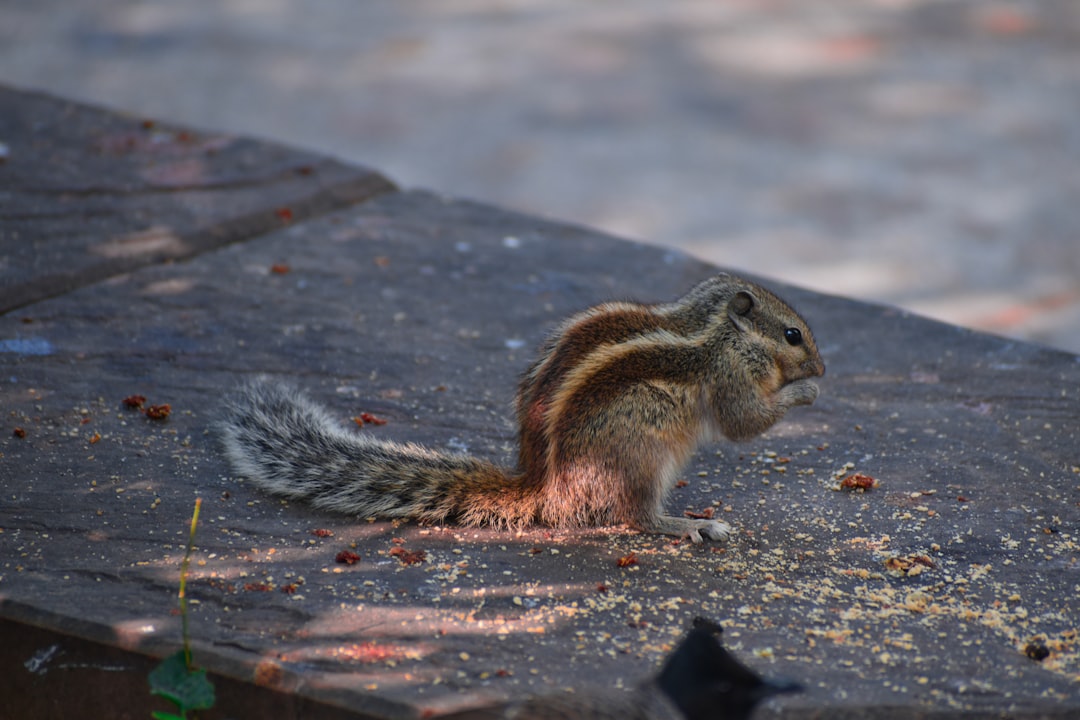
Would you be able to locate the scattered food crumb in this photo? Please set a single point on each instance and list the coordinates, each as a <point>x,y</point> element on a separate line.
<point>159,412</point>
<point>858,482</point>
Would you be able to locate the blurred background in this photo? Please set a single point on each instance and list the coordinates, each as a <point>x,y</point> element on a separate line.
<point>921,153</point>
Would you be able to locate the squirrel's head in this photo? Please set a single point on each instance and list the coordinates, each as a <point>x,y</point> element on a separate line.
<point>771,331</point>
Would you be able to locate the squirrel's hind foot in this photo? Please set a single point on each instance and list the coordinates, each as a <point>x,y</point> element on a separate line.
<point>692,528</point>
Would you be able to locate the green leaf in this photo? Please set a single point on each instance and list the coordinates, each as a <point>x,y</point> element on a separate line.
<point>198,691</point>
<point>158,715</point>
<point>187,689</point>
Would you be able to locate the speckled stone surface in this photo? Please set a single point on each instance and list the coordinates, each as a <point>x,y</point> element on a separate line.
<point>87,195</point>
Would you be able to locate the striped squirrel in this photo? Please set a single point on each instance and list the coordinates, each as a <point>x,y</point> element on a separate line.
<point>619,399</point>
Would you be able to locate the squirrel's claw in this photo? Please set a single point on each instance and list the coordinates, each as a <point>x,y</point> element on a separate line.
<point>695,529</point>
<point>712,529</point>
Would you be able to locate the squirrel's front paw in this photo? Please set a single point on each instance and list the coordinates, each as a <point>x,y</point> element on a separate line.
<point>801,392</point>
<point>691,528</point>
<point>712,529</point>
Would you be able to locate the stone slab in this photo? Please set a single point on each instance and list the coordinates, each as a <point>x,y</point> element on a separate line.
<point>917,598</point>
<point>86,194</point>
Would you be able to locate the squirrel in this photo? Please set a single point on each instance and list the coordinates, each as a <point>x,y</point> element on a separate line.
<point>608,415</point>
<point>700,679</point>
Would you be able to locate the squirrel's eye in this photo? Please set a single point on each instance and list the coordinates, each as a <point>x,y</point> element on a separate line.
<point>793,336</point>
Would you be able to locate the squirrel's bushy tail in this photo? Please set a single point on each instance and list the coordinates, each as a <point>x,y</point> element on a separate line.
<point>284,443</point>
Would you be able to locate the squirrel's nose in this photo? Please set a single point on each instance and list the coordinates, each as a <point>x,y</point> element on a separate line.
<point>814,367</point>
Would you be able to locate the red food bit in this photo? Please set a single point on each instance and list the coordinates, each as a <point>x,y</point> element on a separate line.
<point>95,438</point>
<point>321,532</point>
<point>290,588</point>
<point>706,514</point>
<point>284,213</point>
<point>369,419</point>
<point>257,587</point>
<point>408,557</point>
<point>601,588</point>
<point>858,481</point>
<point>347,557</point>
<point>134,401</point>
<point>535,550</point>
<point>627,560</point>
<point>280,268</point>
<point>681,484</point>
<point>159,412</point>
<point>19,433</point>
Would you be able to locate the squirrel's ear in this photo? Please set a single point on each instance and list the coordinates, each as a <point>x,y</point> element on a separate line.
<point>739,309</point>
